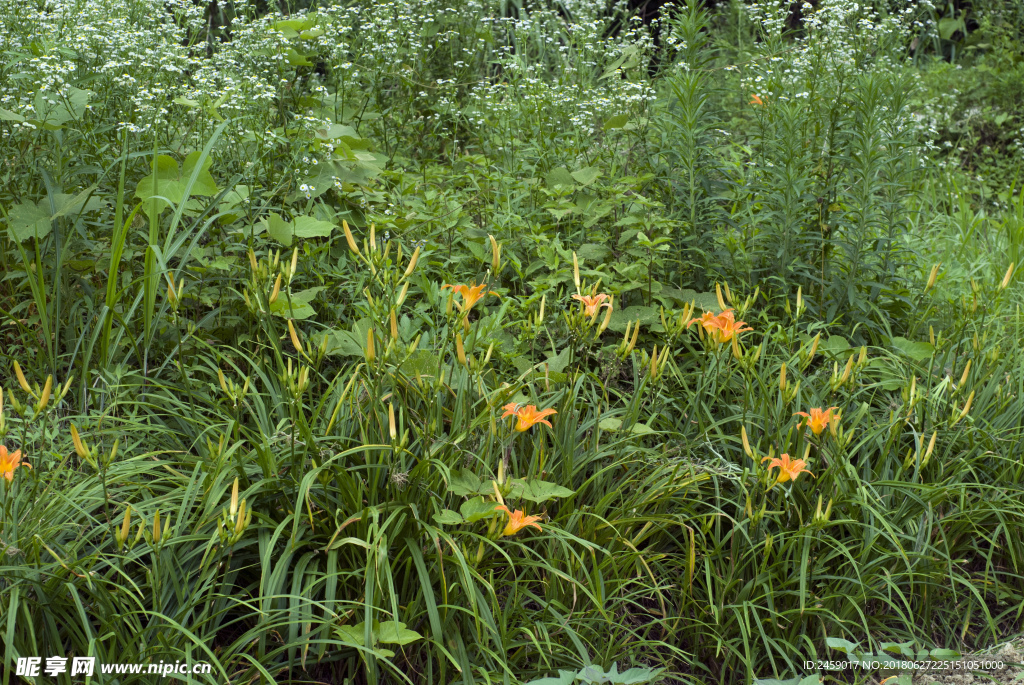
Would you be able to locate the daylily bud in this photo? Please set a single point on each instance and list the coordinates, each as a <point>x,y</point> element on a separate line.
<point>294,265</point>
<point>460,351</point>
<point>156,527</point>
<point>928,452</point>
<point>540,315</point>
<point>967,370</point>
<point>814,348</point>
<point>746,443</point>
<point>373,237</point>
<point>495,255</point>
<point>728,295</point>
<point>718,294</point>
<point>243,518</point>
<point>782,378</point>
<point>233,507</point>
<point>370,352</point>
<point>654,362</point>
<point>1006,279</point>
<point>277,289</point>
<point>607,319</point>
<point>252,261</point>
<point>80,448</point>
<point>736,349</point>
<point>348,237</point>
<point>487,357</point>
<point>932,276</point>
<point>21,379</point>
<point>394,325</point>
<point>392,429</point>
<point>799,300</point>
<point>575,272</point>
<point>44,398</point>
<point>412,262</point>
<point>967,408</point>
<point>294,337</point>
<point>122,535</point>
<point>847,370</point>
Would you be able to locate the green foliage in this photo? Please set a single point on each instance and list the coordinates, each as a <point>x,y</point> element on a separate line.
<point>272,429</point>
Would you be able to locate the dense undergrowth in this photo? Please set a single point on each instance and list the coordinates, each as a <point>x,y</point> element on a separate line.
<point>285,294</point>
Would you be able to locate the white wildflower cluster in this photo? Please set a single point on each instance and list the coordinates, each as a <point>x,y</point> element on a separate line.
<point>169,69</point>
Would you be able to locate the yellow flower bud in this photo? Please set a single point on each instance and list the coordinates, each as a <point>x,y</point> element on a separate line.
<point>932,276</point>
<point>294,336</point>
<point>412,262</point>
<point>277,289</point>
<point>746,443</point>
<point>370,352</point>
<point>718,294</point>
<point>460,351</point>
<point>1006,279</point>
<point>782,378</point>
<point>967,370</point>
<point>392,429</point>
<point>22,380</point>
<point>495,255</point>
<point>349,238</point>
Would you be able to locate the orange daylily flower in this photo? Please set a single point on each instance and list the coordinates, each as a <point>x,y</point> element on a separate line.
<point>755,99</point>
<point>528,415</point>
<point>517,520</point>
<point>592,303</point>
<point>819,418</point>
<point>471,294</point>
<point>789,469</point>
<point>721,328</point>
<point>10,461</point>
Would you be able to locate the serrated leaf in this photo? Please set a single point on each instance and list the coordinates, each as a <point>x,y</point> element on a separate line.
<point>29,220</point>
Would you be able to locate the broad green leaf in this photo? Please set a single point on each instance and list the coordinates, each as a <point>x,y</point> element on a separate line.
<point>918,351</point>
<point>465,483</point>
<point>447,517</point>
<point>563,678</point>
<point>586,175</point>
<point>538,490</point>
<point>558,363</point>
<point>834,346</point>
<point>844,646</point>
<point>559,176</point>
<point>647,316</point>
<point>420,363</point>
<point>617,121</point>
<point>395,633</point>
<point>8,115</point>
<point>170,182</point>
<point>610,424</point>
<point>478,508</point>
<point>29,220</point>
